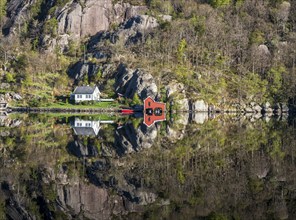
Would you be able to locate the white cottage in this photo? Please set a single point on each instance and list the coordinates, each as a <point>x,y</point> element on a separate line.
<point>85,127</point>
<point>86,93</point>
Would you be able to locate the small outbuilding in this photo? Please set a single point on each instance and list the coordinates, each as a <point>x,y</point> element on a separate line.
<point>153,111</point>
<point>86,93</point>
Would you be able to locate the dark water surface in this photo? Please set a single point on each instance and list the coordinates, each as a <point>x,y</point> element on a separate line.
<point>111,167</point>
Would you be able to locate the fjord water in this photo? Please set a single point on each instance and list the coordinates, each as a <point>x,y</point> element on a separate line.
<point>107,167</point>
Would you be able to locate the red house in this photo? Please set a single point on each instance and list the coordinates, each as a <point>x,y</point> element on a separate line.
<point>153,111</point>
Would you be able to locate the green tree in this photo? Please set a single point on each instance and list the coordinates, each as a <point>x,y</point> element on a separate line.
<point>109,88</point>
<point>9,77</point>
<point>2,9</point>
<point>219,3</point>
<point>35,8</point>
<point>51,27</point>
<point>181,50</point>
<point>21,63</point>
<point>257,37</point>
<point>136,100</point>
<point>275,81</point>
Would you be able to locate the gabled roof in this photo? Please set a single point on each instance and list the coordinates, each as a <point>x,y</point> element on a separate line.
<point>84,90</point>
<point>150,119</point>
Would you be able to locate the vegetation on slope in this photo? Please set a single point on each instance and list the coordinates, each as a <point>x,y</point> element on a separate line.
<point>222,50</point>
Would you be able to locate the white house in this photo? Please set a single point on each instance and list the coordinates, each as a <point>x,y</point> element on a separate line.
<point>85,127</point>
<point>86,93</point>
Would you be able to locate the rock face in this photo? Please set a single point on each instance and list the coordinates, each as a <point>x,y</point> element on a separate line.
<point>173,134</point>
<point>182,103</point>
<point>128,82</point>
<point>263,49</point>
<point>51,44</point>
<point>80,69</point>
<point>175,92</point>
<point>15,208</point>
<point>89,199</point>
<point>124,11</point>
<point>174,87</point>
<point>84,20</point>
<point>7,122</point>
<point>284,108</point>
<point>199,117</point>
<point>8,97</point>
<point>200,106</point>
<point>135,28</point>
<point>18,14</point>
<point>95,16</point>
<point>129,139</point>
<point>79,149</point>
<point>4,86</point>
<point>177,130</point>
<point>77,18</point>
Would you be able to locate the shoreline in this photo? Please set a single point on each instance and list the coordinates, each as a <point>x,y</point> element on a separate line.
<point>71,110</point>
<point>114,110</point>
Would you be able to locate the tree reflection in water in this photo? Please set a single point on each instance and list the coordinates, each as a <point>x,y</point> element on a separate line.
<point>216,168</point>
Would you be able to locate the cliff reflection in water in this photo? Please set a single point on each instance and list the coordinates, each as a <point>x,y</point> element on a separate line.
<point>189,167</point>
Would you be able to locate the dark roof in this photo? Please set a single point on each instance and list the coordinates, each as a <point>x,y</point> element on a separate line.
<point>84,90</point>
<point>84,131</point>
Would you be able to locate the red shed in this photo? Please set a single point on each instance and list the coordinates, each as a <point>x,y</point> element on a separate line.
<point>153,111</point>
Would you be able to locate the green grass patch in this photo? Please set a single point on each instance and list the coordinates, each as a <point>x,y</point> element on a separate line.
<point>95,105</point>
<point>4,91</point>
<point>68,115</point>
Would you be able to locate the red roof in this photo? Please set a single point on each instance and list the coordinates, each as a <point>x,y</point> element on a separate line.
<point>153,111</point>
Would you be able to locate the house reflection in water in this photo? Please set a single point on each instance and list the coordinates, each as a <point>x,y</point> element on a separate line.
<point>83,127</point>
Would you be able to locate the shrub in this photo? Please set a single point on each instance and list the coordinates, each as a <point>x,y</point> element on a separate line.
<point>219,3</point>
<point>9,78</point>
<point>136,100</point>
<point>51,27</point>
<point>34,102</point>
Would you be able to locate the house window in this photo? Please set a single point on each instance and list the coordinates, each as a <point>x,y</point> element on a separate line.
<point>87,96</point>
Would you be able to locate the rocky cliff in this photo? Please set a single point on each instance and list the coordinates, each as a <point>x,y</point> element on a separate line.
<point>129,139</point>
<point>161,47</point>
<point>130,82</point>
<point>78,19</point>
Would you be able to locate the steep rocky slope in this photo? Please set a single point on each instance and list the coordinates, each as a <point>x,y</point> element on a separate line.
<point>230,66</point>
